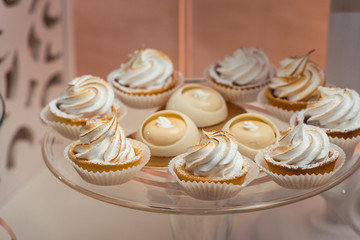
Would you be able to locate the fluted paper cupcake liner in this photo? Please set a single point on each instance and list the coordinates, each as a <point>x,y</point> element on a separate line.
<point>145,100</point>
<point>66,130</point>
<point>73,131</point>
<point>277,112</point>
<point>213,191</point>
<point>305,180</point>
<point>344,143</point>
<point>111,177</point>
<point>348,143</point>
<point>237,94</point>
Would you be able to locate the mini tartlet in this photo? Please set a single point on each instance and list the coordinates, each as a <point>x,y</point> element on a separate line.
<point>252,132</point>
<point>146,79</point>
<point>168,133</point>
<point>214,169</point>
<point>303,158</point>
<point>202,104</point>
<point>104,156</point>
<point>337,112</point>
<point>294,86</point>
<point>242,76</point>
<point>86,97</point>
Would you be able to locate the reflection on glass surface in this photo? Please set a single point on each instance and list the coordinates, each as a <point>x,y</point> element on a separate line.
<point>2,109</point>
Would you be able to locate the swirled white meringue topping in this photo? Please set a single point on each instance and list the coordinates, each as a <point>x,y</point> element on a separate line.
<point>104,141</point>
<point>246,67</point>
<point>85,97</point>
<point>298,79</point>
<point>146,69</point>
<point>215,156</point>
<point>337,108</point>
<point>302,145</point>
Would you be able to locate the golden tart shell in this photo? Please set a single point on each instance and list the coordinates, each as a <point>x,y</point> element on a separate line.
<point>283,103</point>
<point>320,168</point>
<point>185,175</point>
<point>95,167</point>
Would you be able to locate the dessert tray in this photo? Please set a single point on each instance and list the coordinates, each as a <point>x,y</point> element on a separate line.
<point>154,189</point>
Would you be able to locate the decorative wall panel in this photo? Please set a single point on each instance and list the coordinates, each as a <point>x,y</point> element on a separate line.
<point>35,63</point>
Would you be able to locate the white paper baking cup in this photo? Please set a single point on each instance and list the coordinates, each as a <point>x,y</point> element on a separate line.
<point>144,100</point>
<point>66,130</point>
<point>277,112</point>
<point>301,181</point>
<point>73,131</point>
<point>348,143</point>
<point>344,143</point>
<point>213,191</point>
<point>112,177</point>
<point>237,94</point>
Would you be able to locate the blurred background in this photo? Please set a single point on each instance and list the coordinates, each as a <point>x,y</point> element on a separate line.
<point>105,33</point>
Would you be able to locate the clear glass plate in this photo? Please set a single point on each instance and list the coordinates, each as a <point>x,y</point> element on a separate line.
<point>155,190</point>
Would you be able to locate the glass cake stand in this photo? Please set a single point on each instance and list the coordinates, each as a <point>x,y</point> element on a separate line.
<point>155,190</point>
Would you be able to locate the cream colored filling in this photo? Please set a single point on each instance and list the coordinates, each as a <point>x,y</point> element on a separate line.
<point>157,135</point>
<point>202,98</point>
<point>256,138</point>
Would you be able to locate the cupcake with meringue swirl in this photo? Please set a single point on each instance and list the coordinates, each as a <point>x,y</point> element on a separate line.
<point>242,76</point>
<point>214,169</point>
<point>294,86</point>
<point>337,112</point>
<point>86,97</point>
<point>303,158</point>
<point>146,79</point>
<point>104,156</point>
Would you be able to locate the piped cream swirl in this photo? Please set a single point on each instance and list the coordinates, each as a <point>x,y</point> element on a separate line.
<point>250,126</point>
<point>85,97</point>
<point>297,79</point>
<point>200,94</point>
<point>337,108</point>
<point>104,141</point>
<point>302,145</point>
<point>215,156</point>
<point>164,122</point>
<point>247,66</point>
<point>146,69</point>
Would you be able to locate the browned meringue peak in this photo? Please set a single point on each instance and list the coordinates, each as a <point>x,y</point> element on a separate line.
<point>134,60</point>
<point>145,69</point>
<point>104,141</point>
<point>247,66</point>
<point>215,156</point>
<point>297,79</point>
<point>85,97</point>
<point>302,145</point>
<point>337,108</point>
<point>295,66</point>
